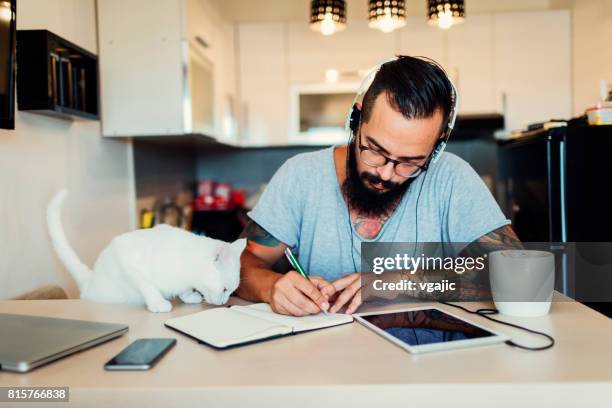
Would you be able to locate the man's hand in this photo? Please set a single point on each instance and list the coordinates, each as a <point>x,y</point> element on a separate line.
<point>292,294</point>
<point>349,293</point>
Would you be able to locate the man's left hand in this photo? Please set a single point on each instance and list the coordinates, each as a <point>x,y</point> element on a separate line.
<point>349,293</point>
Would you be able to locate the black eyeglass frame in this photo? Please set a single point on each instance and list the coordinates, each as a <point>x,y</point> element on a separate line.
<point>415,173</point>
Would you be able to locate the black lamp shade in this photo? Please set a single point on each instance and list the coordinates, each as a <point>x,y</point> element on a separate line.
<point>328,16</point>
<point>445,13</point>
<point>386,15</point>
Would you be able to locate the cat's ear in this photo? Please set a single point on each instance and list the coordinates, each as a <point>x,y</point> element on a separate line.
<point>227,253</point>
<point>238,246</point>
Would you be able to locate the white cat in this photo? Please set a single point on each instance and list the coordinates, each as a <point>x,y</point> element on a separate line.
<point>150,266</point>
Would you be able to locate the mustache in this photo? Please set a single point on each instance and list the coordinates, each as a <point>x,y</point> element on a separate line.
<point>371,178</point>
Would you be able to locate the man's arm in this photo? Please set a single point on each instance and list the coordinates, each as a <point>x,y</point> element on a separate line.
<point>288,293</point>
<point>501,238</point>
<point>261,252</point>
<point>473,284</point>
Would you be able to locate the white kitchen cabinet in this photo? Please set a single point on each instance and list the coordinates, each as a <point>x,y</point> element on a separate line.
<point>470,63</point>
<point>350,52</point>
<point>205,23</point>
<point>166,68</point>
<point>277,57</point>
<point>517,64</point>
<point>532,61</point>
<point>264,88</point>
<point>418,38</point>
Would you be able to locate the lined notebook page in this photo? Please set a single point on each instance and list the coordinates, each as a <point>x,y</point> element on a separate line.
<point>223,326</point>
<point>304,323</point>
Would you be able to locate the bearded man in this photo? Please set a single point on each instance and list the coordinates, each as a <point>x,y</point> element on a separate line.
<point>384,185</point>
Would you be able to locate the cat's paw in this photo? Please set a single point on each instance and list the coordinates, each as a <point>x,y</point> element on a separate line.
<point>159,306</point>
<point>191,297</point>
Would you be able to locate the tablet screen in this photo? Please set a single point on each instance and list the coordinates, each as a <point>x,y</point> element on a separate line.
<point>428,326</point>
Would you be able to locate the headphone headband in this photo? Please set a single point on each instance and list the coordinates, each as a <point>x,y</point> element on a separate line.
<point>353,119</point>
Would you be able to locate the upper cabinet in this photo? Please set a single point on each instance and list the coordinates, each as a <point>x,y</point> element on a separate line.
<point>263,83</point>
<point>419,38</point>
<point>469,62</point>
<point>532,62</point>
<point>212,52</point>
<point>166,68</point>
<point>177,67</point>
<point>516,64</point>
<point>283,72</point>
<point>349,52</point>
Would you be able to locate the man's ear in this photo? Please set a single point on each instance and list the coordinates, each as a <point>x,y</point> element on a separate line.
<point>355,118</point>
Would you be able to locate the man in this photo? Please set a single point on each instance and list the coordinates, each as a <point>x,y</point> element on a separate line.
<point>382,186</point>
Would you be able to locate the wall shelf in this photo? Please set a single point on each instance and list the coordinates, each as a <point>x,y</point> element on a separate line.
<point>56,77</point>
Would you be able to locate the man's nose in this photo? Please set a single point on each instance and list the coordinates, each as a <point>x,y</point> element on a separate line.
<point>386,172</point>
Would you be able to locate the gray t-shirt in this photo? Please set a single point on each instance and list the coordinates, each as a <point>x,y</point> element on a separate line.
<point>302,207</point>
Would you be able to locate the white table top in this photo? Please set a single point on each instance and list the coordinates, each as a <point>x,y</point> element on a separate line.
<point>346,364</point>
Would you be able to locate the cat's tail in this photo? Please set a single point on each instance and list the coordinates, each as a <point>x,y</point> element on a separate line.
<point>79,271</point>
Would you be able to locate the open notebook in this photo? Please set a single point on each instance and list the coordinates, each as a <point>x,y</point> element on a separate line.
<point>239,325</point>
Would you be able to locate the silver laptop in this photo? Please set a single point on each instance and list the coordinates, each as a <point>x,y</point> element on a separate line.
<point>27,342</point>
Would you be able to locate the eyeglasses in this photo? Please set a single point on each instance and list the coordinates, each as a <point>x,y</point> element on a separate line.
<point>374,158</point>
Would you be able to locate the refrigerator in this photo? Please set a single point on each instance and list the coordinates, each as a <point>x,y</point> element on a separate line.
<point>555,187</point>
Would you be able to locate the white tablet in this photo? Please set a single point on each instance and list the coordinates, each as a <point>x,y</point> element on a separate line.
<point>425,329</point>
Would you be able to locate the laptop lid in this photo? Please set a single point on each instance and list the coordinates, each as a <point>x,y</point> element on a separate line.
<point>27,341</point>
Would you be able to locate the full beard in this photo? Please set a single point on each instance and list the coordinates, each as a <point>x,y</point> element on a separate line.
<point>365,200</point>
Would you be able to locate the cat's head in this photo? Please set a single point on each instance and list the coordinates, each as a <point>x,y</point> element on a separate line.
<point>222,275</point>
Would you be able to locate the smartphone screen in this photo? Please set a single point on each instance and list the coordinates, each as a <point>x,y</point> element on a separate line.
<point>142,354</point>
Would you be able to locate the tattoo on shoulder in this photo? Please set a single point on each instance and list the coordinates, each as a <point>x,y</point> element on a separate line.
<point>253,232</point>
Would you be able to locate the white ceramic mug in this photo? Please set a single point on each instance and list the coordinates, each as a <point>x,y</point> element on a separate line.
<point>522,281</point>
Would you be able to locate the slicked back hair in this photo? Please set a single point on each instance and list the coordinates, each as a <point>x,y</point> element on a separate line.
<point>414,86</point>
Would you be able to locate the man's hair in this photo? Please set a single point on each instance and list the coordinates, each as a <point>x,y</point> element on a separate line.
<point>415,87</point>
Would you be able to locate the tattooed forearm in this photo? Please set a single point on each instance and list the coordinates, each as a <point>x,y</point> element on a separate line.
<point>471,285</point>
<point>501,238</point>
<point>253,232</point>
<point>475,286</point>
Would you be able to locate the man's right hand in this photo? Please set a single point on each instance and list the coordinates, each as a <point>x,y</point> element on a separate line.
<point>292,294</point>
<point>289,294</point>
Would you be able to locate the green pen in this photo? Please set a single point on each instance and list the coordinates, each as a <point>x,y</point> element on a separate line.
<point>296,264</point>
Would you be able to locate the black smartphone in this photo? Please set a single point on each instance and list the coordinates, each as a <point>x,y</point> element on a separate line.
<point>142,354</point>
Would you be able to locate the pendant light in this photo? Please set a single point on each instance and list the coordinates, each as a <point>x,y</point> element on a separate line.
<point>328,16</point>
<point>6,14</point>
<point>386,15</point>
<point>445,13</point>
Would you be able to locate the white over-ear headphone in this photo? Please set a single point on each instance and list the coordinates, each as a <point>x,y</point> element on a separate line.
<point>353,119</point>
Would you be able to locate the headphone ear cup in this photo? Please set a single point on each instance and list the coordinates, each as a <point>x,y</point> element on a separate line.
<point>355,118</point>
